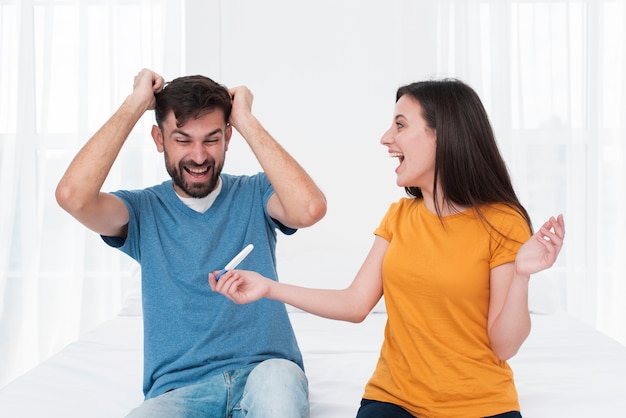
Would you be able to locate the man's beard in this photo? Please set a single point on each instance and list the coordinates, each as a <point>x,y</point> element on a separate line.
<point>196,190</point>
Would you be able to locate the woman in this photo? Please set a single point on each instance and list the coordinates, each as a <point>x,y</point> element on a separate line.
<point>453,260</point>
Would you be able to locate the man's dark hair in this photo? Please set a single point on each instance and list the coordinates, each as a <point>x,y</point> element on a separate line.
<point>191,97</point>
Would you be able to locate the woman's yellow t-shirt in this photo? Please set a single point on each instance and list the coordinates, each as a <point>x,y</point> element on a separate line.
<point>436,360</point>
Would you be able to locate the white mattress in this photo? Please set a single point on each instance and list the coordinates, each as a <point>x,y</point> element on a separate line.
<point>565,368</point>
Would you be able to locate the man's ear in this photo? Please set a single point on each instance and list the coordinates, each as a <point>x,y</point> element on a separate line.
<point>228,134</point>
<point>157,136</point>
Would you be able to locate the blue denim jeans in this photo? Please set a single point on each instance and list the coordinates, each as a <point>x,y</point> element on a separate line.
<point>275,388</point>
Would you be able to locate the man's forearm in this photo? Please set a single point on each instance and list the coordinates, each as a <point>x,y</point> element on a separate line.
<point>303,202</point>
<point>88,170</point>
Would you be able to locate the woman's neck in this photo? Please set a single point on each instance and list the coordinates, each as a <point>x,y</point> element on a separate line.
<point>446,208</point>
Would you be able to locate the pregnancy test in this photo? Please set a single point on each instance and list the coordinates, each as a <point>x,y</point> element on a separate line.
<point>235,261</point>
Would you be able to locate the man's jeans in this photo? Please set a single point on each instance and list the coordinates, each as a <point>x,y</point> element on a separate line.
<point>275,388</point>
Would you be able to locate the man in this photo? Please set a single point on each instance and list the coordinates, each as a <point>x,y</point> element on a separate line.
<point>203,355</point>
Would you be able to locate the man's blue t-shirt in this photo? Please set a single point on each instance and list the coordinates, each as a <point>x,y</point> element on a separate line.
<point>189,331</point>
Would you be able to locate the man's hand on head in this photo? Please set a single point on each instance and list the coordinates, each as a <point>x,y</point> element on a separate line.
<point>146,84</point>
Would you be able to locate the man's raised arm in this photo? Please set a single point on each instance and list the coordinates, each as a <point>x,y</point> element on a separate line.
<point>79,190</point>
<point>297,201</point>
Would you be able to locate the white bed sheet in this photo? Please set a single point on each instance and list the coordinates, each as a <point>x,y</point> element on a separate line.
<point>565,368</point>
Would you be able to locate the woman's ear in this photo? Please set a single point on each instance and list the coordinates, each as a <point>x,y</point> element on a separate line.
<point>157,136</point>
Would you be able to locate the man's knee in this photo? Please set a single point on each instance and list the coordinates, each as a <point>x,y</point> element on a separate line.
<point>276,388</point>
<point>279,371</point>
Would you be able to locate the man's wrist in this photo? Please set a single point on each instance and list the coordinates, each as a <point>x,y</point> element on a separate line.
<point>248,126</point>
<point>136,104</point>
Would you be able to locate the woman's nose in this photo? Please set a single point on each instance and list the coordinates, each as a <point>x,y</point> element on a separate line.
<point>387,138</point>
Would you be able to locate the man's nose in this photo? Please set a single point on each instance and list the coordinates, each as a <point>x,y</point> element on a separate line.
<point>198,153</point>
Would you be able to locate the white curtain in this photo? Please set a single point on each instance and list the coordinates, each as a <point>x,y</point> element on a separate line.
<point>65,66</point>
<point>551,74</point>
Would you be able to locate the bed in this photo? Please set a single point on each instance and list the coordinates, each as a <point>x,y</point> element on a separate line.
<point>565,368</point>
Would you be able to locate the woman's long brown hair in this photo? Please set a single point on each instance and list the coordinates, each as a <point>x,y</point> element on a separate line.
<point>468,164</point>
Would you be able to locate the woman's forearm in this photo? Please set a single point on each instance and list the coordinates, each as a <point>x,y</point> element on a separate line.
<point>512,326</point>
<point>342,304</point>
